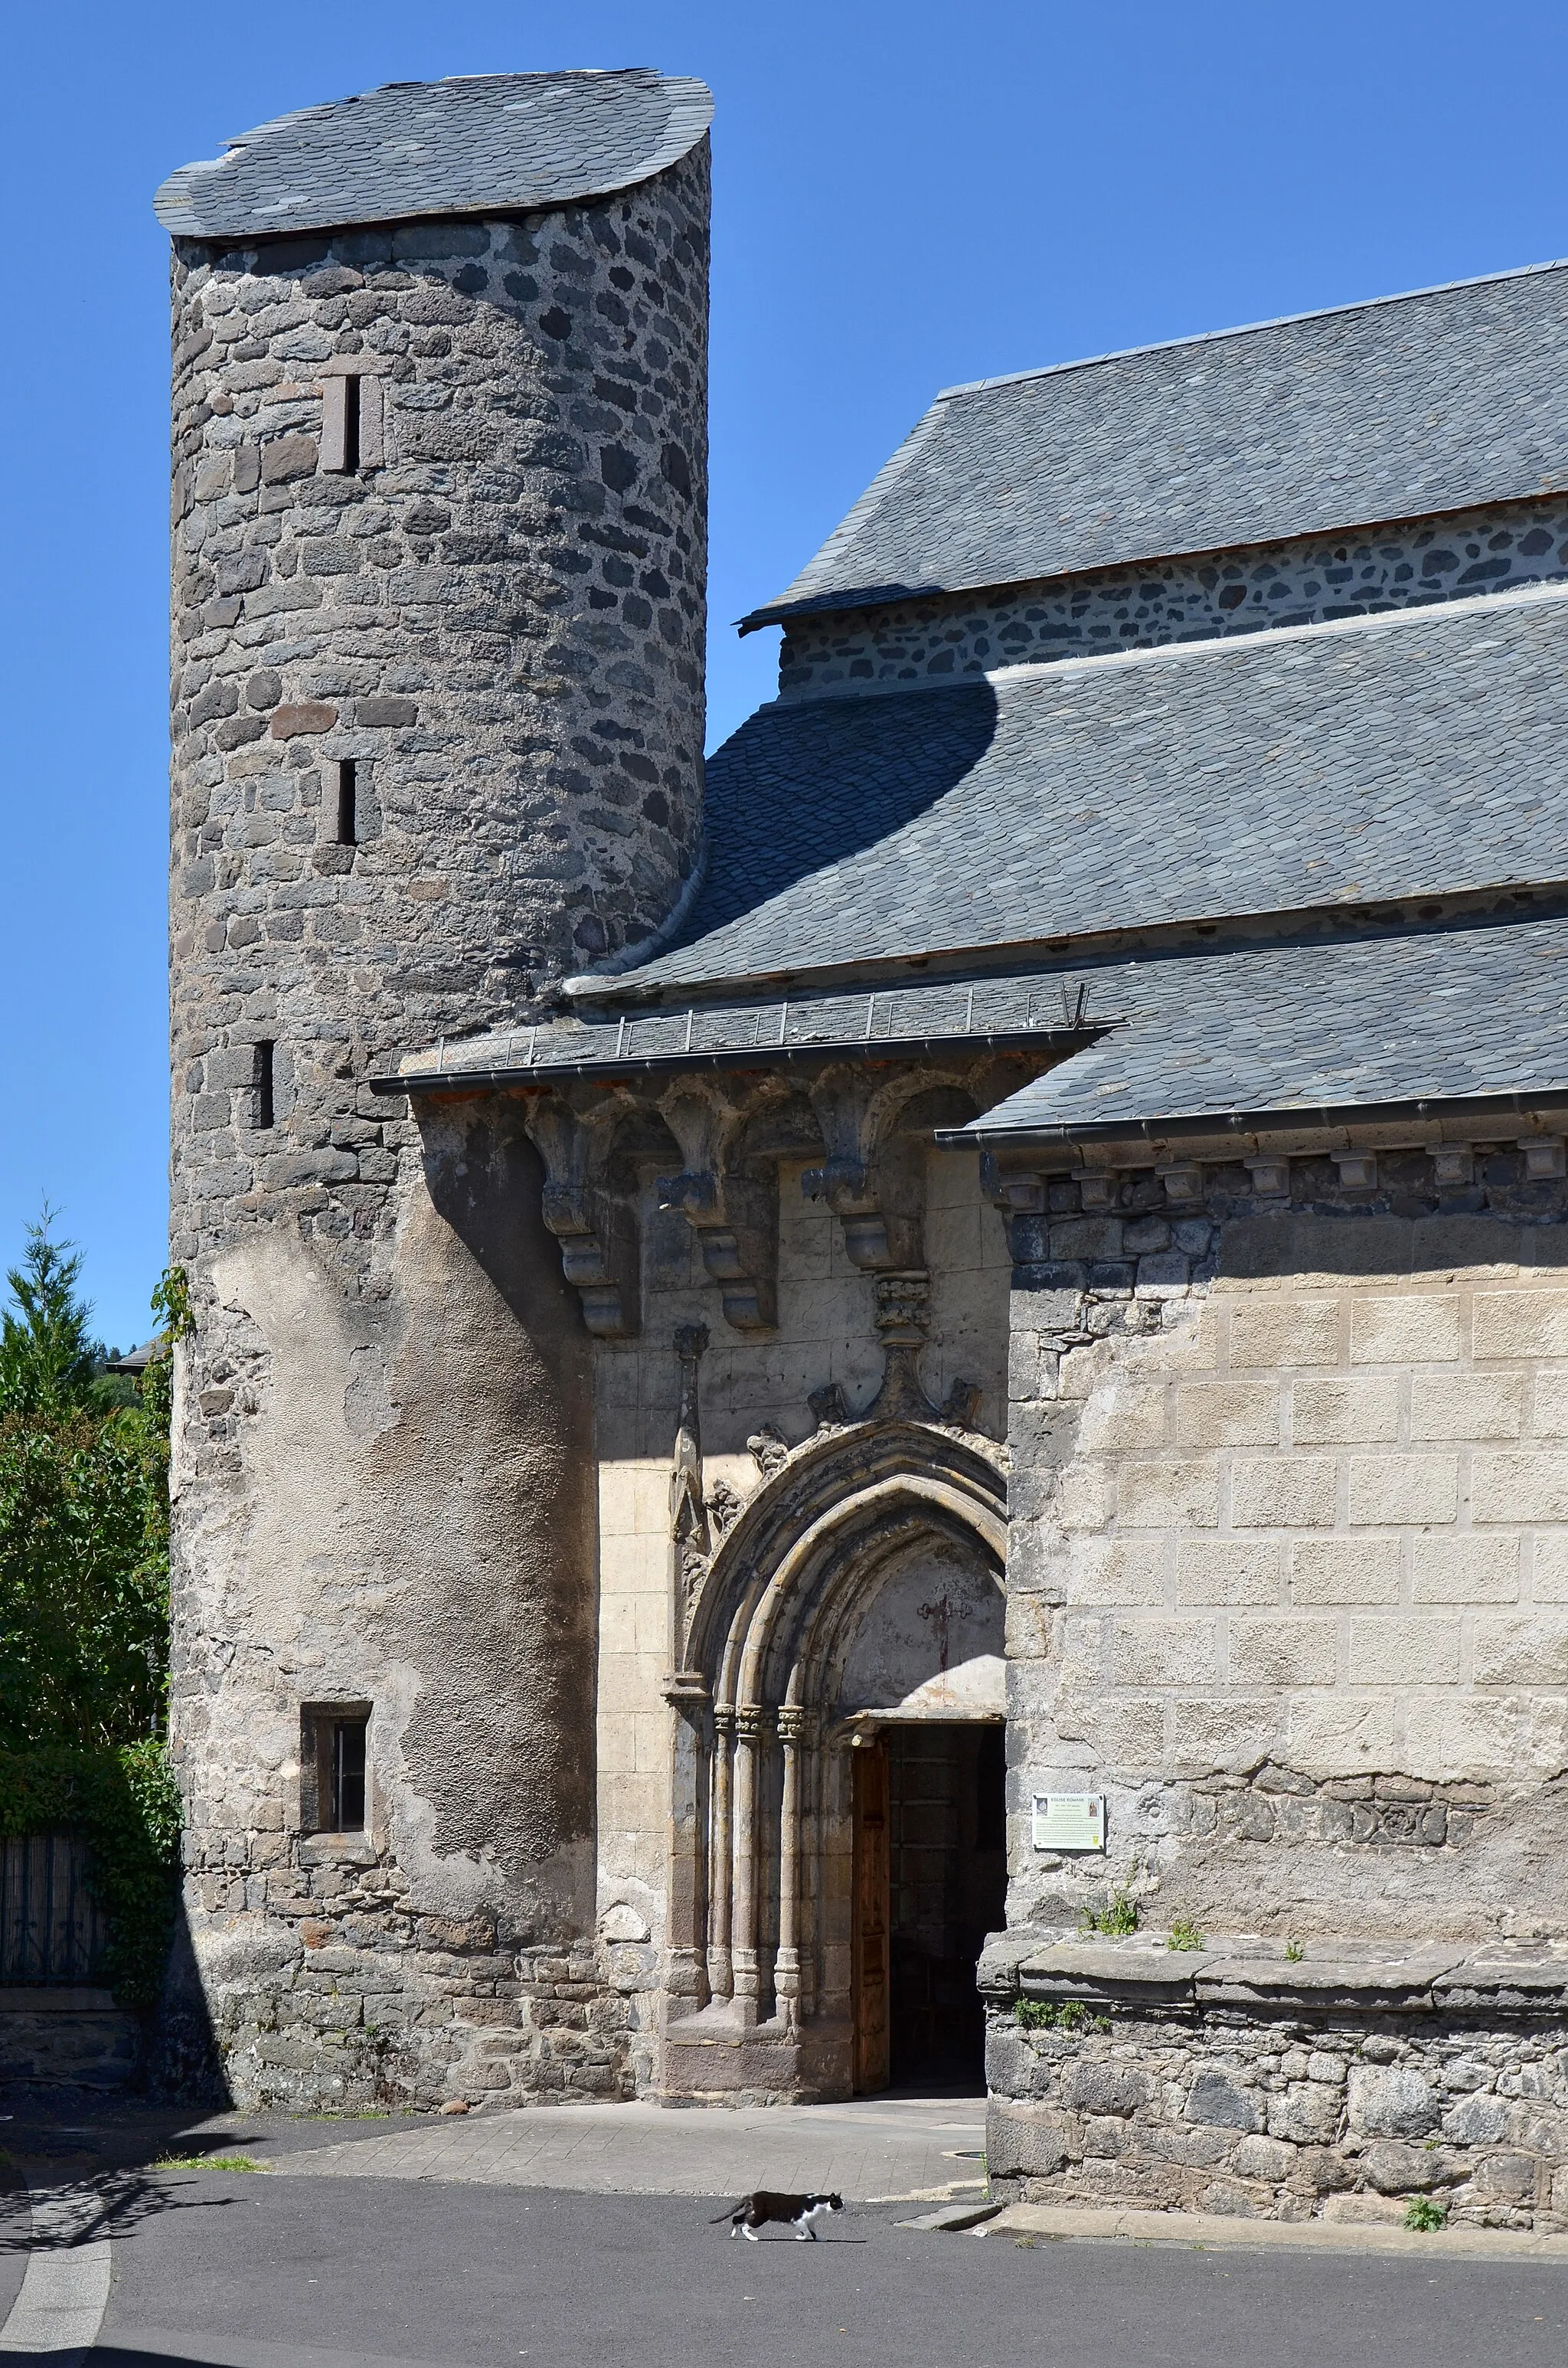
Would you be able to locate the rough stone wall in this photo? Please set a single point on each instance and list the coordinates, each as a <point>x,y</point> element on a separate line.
<point>1289,1563</point>
<point>1330,2116</point>
<point>52,2040</point>
<point>383,1473</point>
<point>1305,582</point>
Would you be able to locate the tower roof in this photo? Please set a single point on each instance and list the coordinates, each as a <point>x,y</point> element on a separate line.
<point>1408,406</point>
<point>475,144</point>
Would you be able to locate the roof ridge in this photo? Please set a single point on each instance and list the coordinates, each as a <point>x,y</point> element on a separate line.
<point>1244,329</point>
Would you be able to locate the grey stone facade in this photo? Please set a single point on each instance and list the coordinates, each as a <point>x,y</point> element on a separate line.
<point>1254,2088</point>
<point>1310,582</point>
<point>1240,1524</point>
<point>492,612</point>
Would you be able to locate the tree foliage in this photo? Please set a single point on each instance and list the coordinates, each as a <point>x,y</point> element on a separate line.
<point>84,1601</point>
<point>83,1524</point>
<point>48,1356</point>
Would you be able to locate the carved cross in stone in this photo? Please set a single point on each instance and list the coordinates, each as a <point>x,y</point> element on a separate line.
<point>938,1614</point>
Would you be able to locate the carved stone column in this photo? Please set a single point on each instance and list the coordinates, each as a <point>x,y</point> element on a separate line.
<point>686,1976</point>
<point>787,1983</point>
<point>750,1721</point>
<point>720,1977</point>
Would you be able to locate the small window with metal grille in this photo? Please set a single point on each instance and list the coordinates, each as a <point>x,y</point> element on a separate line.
<point>334,1785</point>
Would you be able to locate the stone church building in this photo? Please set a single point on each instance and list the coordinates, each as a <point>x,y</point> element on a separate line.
<point>941,1343</point>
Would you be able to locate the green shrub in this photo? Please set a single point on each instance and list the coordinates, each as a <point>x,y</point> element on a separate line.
<point>1116,1916</point>
<point>1044,2014</point>
<point>1185,1934</point>
<point>1424,2215</point>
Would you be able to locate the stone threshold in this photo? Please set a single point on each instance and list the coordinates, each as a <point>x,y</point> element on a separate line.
<point>1213,2230</point>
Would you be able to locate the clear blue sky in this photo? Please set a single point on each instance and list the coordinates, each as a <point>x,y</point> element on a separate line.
<point>907,193</point>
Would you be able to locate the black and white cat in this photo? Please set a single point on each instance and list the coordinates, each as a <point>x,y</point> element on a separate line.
<point>797,2212</point>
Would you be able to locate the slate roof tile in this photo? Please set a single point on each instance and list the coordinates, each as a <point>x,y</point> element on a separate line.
<point>1396,409</point>
<point>474,144</point>
<point>1415,753</point>
<point>1445,1014</point>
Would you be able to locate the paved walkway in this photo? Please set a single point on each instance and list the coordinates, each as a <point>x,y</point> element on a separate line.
<point>877,2150</point>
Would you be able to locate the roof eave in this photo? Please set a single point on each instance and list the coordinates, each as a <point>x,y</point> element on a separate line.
<point>986,1135</point>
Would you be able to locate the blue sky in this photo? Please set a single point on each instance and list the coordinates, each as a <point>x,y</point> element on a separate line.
<point>906,194</point>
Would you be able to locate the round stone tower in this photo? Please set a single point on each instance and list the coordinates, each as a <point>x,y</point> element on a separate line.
<point>438,525</point>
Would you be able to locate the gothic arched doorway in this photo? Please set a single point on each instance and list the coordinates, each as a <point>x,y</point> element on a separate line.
<point>842,1678</point>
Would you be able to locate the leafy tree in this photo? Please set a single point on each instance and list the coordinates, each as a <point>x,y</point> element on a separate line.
<point>84,1523</point>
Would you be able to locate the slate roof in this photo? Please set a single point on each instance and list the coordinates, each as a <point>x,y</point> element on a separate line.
<point>1417,752</point>
<point>1436,401</point>
<point>1310,1029</point>
<point>476,143</point>
<point>877,1024</point>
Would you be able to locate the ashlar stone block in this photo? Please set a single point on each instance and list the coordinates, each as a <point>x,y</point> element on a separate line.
<point>1521,1324</point>
<point>1164,1653</point>
<point>1416,1652</point>
<point>1520,1487</point>
<point>1467,1568</point>
<point>1223,1571</point>
<point>1344,1570</point>
<point>1273,1329</point>
<point>1466,1405</point>
<point>1227,1414</point>
<point>1283,1652</point>
<point>1414,1327</point>
<point>1283,1492</point>
<point>1388,1489</point>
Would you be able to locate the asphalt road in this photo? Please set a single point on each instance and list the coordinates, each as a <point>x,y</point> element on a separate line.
<point>256,2271</point>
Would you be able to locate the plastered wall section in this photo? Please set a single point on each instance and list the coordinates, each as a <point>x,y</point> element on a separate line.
<point>1310,1537</point>
<point>825,1334</point>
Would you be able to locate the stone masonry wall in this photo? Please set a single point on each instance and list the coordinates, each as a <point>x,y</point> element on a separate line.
<point>1290,2116</point>
<point>1305,582</point>
<point>1289,1566</point>
<point>383,1477</point>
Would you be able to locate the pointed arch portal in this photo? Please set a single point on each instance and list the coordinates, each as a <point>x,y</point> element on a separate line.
<point>858,1596</point>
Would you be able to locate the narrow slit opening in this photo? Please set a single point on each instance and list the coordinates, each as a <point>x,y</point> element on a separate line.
<point>262,1086</point>
<point>348,785</point>
<point>350,424</point>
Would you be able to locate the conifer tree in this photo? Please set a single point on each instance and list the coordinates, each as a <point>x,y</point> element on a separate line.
<point>47,1354</point>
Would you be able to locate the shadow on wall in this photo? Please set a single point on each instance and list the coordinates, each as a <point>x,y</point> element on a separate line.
<point>184,2062</point>
<point>493,1378</point>
<point>1380,1241</point>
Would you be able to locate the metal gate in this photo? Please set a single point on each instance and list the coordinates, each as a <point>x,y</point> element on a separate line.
<point>50,1926</point>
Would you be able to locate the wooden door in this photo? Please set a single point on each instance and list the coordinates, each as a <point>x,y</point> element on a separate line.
<point>872,1916</point>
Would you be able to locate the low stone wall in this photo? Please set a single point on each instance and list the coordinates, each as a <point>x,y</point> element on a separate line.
<point>1338,2087</point>
<point>67,2037</point>
<point>376,2004</point>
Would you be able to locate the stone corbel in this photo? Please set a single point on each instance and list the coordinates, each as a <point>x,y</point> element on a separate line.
<point>733,1214</point>
<point>904,1321</point>
<point>873,1178</point>
<point>595,1223</point>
